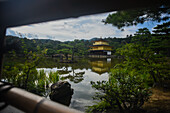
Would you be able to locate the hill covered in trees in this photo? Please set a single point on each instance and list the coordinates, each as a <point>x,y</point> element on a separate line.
<point>76,47</point>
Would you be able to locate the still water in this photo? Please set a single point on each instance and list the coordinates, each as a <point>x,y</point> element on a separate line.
<point>79,76</point>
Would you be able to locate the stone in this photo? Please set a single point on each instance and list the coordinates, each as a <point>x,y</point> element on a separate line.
<point>61,92</point>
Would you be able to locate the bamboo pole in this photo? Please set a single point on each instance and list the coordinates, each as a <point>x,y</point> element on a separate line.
<point>32,103</point>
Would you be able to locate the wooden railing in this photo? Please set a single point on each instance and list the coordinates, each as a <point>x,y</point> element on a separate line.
<point>31,103</point>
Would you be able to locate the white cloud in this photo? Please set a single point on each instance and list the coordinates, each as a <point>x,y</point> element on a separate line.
<point>85,27</point>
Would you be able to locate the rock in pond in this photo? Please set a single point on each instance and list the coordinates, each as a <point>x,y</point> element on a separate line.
<point>61,92</point>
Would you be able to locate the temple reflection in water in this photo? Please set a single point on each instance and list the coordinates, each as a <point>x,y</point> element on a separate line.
<point>100,65</point>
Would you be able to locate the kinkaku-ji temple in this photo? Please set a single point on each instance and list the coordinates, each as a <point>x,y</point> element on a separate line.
<point>100,49</point>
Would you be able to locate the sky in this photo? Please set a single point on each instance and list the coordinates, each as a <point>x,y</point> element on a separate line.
<point>85,27</point>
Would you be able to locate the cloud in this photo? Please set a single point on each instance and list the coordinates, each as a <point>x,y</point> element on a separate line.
<point>85,27</point>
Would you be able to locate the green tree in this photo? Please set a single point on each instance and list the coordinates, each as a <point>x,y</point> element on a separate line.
<point>51,51</point>
<point>129,81</point>
<point>65,49</point>
<point>160,42</point>
<point>144,62</point>
<point>25,75</point>
<point>162,29</point>
<point>132,17</point>
<point>124,90</point>
<point>142,37</point>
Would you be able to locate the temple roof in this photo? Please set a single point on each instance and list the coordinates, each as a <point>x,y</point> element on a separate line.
<point>100,45</point>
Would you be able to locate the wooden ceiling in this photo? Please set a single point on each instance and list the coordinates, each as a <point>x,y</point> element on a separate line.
<point>23,12</point>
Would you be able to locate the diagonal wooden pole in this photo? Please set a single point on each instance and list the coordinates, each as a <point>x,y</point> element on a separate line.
<point>31,103</point>
<point>2,45</point>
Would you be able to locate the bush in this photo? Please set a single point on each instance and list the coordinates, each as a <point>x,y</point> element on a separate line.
<point>124,91</point>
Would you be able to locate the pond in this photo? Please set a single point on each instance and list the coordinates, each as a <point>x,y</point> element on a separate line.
<point>79,76</point>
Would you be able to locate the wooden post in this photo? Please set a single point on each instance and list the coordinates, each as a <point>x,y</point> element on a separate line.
<point>2,45</point>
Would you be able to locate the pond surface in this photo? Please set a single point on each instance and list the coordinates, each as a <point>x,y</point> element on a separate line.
<point>79,76</point>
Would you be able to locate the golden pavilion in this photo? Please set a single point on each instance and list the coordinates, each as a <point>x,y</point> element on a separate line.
<point>100,49</point>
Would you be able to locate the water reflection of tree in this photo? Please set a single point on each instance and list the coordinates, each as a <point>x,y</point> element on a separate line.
<point>75,77</point>
<point>81,64</point>
<point>72,75</point>
<point>69,68</point>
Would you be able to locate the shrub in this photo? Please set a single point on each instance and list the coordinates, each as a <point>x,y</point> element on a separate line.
<point>124,91</point>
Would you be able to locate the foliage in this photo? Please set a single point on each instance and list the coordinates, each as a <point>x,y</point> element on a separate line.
<point>26,76</point>
<point>160,42</point>
<point>73,48</point>
<point>142,37</point>
<point>135,16</point>
<point>123,90</point>
<point>99,106</point>
<point>54,77</point>
<point>75,77</point>
<point>127,87</point>
<point>129,82</point>
<point>79,47</point>
<point>144,62</point>
<point>38,83</point>
<point>31,61</point>
<point>162,28</point>
<point>142,56</point>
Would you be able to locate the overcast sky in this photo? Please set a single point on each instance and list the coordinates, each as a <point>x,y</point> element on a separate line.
<point>85,27</point>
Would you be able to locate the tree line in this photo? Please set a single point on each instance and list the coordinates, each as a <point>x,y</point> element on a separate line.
<point>158,41</point>
<point>76,47</point>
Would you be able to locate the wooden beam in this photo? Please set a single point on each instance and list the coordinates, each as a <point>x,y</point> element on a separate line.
<point>23,12</point>
<point>2,45</point>
<point>31,103</point>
